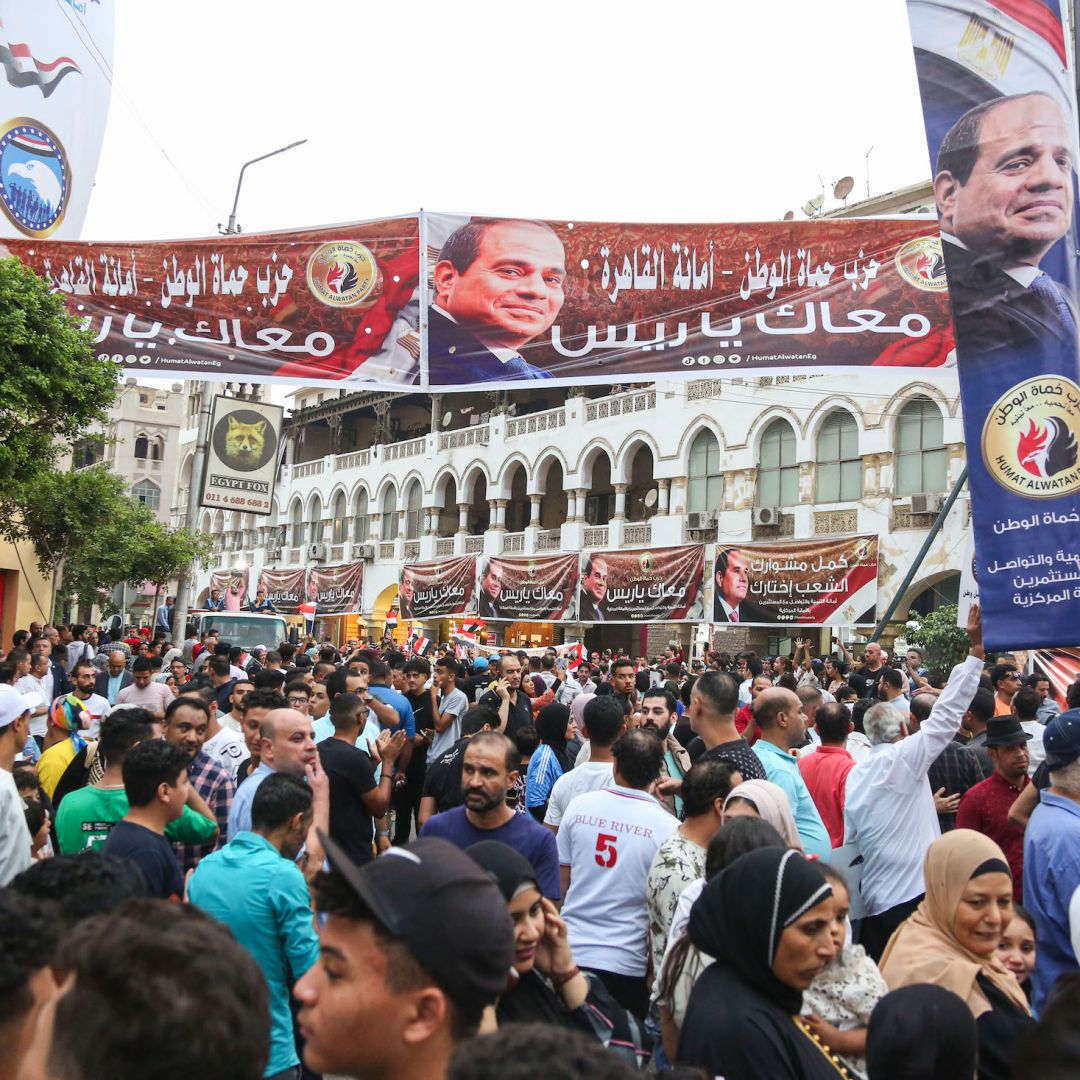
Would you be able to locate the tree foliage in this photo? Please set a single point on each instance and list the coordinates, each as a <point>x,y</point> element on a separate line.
<point>52,386</point>
<point>90,534</point>
<point>945,644</point>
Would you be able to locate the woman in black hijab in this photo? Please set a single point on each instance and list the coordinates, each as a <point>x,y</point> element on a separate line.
<point>545,985</point>
<point>921,1032</point>
<point>766,919</point>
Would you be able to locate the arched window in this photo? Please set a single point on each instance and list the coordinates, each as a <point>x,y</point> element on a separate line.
<point>142,448</point>
<point>921,461</point>
<point>361,522</point>
<point>296,524</point>
<point>705,490</point>
<point>778,475</point>
<point>157,449</point>
<point>389,524</point>
<point>341,524</point>
<point>413,511</point>
<point>315,532</point>
<point>839,467</point>
<point>148,493</point>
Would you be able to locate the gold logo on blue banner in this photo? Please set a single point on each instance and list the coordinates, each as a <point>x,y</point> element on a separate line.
<point>921,262</point>
<point>1030,438</point>
<point>342,273</point>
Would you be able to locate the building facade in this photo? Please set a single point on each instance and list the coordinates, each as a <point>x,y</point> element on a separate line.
<point>389,478</point>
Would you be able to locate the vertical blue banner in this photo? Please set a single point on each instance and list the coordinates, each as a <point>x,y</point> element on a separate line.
<point>999,105</point>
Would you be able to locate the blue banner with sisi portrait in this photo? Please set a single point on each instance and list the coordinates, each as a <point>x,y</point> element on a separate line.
<point>999,106</point>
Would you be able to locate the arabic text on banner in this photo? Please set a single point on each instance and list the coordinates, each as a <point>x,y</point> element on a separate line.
<point>1000,113</point>
<point>54,98</point>
<point>284,589</point>
<point>318,305</point>
<point>608,301</point>
<point>435,589</point>
<point>533,588</point>
<point>336,589</point>
<point>828,582</point>
<point>658,584</point>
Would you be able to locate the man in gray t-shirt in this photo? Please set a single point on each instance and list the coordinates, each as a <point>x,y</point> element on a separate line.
<point>452,703</point>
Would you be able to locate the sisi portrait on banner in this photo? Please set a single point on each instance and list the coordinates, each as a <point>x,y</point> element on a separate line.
<point>1004,191</point>
<point>499,283</point>
<point>732,584</point>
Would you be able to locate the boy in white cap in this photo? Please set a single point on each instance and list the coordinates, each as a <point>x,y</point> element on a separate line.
<point>14,835</point>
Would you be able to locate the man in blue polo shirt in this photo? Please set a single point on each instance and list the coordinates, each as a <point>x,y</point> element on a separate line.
<point>1052,855</point>
<point>779,716</point>
<point>254,886</point>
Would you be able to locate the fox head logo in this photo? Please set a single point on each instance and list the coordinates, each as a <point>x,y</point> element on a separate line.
<point>1047,449</point>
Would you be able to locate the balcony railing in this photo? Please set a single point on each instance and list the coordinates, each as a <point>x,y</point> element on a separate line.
<point>637,535</point>
<point>513,542</point>
<point>542,421</point>
<point>357,459</point>
<point>399,450</point>
<point>444,545</point>
<point>596,537</point>
<point>308,468</point>
<point>470,436</point>
<point>412,549</point>
<point>474,545</point>
<point>549,540</point>
<point>620,405</point>
<point>386,550</point>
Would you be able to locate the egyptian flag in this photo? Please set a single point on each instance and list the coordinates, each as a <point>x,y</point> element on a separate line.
<point>391,619</point>
<point>419,645</point>
<point>308,610</point>
<point>472,627</point>
<point>23,69</point>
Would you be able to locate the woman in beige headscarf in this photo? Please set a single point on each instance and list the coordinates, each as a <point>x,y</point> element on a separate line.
<point>952,938</point>
<point>765,800</point>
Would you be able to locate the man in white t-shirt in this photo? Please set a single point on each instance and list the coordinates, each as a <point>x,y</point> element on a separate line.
<point>225,746</point>
<point>452,704</point>
<point>83,677</point>
<point>602,722</point>
<point>607,843</point>
<point>30,675</point>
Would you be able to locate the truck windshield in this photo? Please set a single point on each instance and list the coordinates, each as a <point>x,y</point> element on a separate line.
<point>247,631</point>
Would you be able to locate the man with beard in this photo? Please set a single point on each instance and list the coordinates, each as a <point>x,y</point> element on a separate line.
<point>187,725</point>
<point>658,714</point>
<point>488,772</point>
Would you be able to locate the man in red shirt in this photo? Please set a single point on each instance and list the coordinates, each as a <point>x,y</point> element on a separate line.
<point>744,718</point>
<point>985,807</point>
<point>825,770</point>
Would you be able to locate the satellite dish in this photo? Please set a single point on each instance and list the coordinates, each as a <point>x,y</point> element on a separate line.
<point>816,201</point>
<point>447,417</point>
<point>810,209</point>
<point>842,187</point>
<point>650,497</point>
<point>789,215</point>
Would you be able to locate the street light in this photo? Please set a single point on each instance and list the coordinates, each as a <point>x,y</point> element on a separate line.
<point>183,589</point>
<point>231,227</point>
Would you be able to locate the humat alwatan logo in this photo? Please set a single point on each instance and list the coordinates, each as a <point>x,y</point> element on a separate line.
<point>342,273</point>
<point>1029,440</point>
<point>921,262</point>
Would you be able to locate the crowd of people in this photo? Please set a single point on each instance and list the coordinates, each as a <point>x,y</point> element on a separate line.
<point>366,862</point>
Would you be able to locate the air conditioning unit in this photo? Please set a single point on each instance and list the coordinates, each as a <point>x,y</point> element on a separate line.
<point>365,551</point>
<point>927,504</point>
<point>701,519</point>
<point>766,515</point>
<point>317,552</point>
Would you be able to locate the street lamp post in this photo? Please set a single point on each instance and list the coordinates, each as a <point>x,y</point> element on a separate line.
<point>183,588</point>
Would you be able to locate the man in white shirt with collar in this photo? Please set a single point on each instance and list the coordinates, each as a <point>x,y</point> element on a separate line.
<point>1004,193</point>
<point>889,807</point>
<point>498,285</point>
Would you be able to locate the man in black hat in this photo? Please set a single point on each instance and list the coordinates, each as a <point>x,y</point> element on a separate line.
<point>985,807</point>
<point>394,992</point>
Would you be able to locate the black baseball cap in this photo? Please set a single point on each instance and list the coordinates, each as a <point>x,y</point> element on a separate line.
<point>443,908</point>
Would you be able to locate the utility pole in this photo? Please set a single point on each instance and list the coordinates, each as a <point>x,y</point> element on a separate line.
<point>198,464</point>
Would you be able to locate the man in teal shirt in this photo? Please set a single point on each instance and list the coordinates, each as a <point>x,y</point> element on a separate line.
<point>254,886</point>
<point>780,720</point>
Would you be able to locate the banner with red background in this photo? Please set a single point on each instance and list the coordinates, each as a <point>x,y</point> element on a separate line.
<point>654,585</point>
<point>284,589</point>
<point>336,589</point>
<point>434,589</point>
<point>534,588</point>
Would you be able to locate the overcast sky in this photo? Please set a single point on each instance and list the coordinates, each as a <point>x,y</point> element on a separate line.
<point>666,111</point>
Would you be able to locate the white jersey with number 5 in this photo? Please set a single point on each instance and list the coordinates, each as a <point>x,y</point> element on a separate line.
<point>608,839</point>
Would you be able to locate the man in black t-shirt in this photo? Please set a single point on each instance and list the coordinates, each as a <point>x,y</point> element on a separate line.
<point>409,787</point>
<point>355,797</point>
<point>156,784</point>
<point>508,700</point>
<point>442,784</point>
